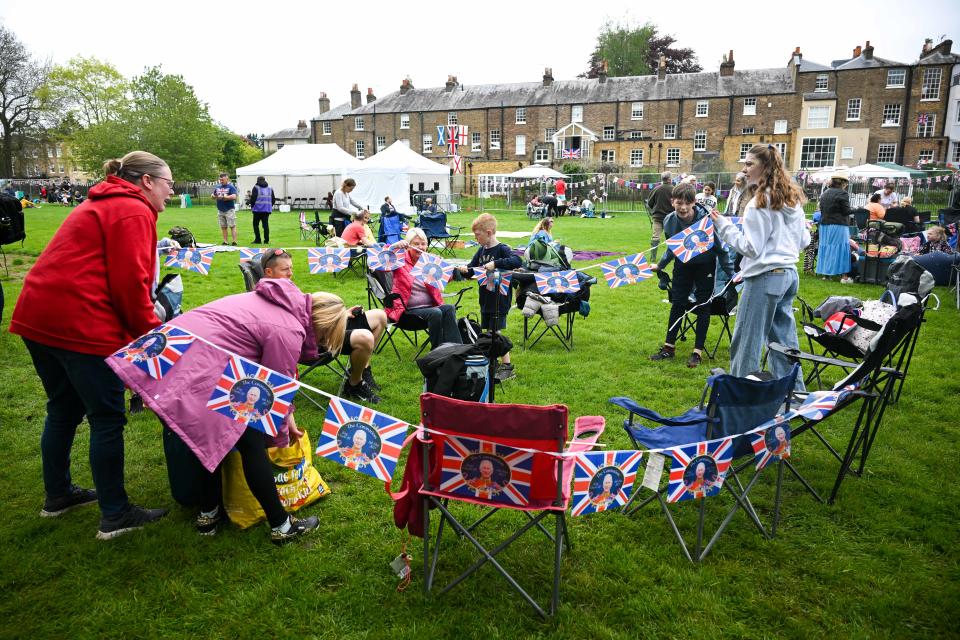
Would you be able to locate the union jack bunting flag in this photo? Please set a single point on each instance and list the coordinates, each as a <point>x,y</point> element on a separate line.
<point>328,259</point>
<point>697,470</point>
<point>361,439</point>
<point>603,480</point>
<point>385,258</point>
<point>570,153</point>
<point>247,254</point>
<point>627,270</point>
<point>433,271</point>
<point>557,282</point>
<point>819,404</point>
<point>198,260</point>
<point>441,136</point>
<point>771,443</point>
<point>253,395</point>
<point>157,351</point>
<point>483,276</point>
<point>486,471</point>
<point>693,240</point>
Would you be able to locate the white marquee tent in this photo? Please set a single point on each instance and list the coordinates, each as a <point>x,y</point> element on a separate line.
<point>391,172</point>
<point>536,171</point>
<point>300,171</point>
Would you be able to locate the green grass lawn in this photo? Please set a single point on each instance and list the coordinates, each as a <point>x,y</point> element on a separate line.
<point>881,562</point>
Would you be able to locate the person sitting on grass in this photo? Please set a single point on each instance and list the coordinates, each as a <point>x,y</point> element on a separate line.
<point>492,255</point>
<point>362,333</point>
<point>694,275</point>
<point>542,231</point>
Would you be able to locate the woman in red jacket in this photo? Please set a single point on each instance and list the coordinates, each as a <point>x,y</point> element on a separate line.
<point>87,296</point>
<point>420,300</point>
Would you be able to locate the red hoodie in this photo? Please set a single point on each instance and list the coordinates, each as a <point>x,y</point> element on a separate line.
<point>90,289</point>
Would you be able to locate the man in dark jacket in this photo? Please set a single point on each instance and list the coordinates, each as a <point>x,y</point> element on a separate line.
<point>660,205</point>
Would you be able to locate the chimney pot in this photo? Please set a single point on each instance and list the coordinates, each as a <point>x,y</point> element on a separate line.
<point>354,97</point>
<point>662,68</point>
<point>370,96</point>
<point>547,76</point>
<point>868,51</point>
<point>797,51</point>
<point>324,103</point>
<point>405,86</point>
<point>727,66</point>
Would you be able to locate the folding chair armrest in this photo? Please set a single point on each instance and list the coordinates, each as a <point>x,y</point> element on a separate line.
<point>593,426</point>
<point>863,322</point>
<point>456,295</point>
<point>896,373</point>
<point>796,354</point>
<point>634,408</point>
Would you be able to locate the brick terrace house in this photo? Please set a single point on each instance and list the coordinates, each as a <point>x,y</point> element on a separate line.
<point>854,110</point>
<point>278,140</point>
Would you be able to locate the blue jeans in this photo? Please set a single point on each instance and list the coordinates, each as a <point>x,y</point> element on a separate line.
<point>441,323</point>
<point>765,315</point>
<point>78,385</point>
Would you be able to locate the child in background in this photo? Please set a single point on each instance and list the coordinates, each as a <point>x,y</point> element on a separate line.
<point>694,275</point>
<point>492,255</point>
<point>708,198</point>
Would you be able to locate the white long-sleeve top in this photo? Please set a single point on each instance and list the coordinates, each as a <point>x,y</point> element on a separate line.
<point>770,239</point>
<point>343,203</point>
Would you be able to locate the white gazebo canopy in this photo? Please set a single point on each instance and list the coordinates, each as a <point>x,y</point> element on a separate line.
<point>392,172</point>
<point>536,171</point>
<point>300,171</point>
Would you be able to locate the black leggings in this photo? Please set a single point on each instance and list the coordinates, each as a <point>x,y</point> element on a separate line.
<point>258,473</point>
<point>261,217</point>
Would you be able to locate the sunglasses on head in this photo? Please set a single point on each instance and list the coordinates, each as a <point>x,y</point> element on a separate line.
<point>273,255</point>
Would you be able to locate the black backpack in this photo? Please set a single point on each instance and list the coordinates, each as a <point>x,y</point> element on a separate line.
<point>11,220</point>
<point>183,236</point>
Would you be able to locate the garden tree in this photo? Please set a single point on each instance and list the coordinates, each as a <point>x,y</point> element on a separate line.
<point>164,117</point>
<point>256,139</point>
<point>636,51</point>
<point>236,151</point>
<point>23,101</point>
<point>91,91</point>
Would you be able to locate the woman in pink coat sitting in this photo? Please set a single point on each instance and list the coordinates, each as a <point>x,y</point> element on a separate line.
<point>276,326</point>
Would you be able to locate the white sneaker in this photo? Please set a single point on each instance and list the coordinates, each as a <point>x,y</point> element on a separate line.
<point>846,281</point>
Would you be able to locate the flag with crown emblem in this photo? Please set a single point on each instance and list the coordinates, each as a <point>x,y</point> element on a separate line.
<point>698,470</point>
<point>327,259</point>
<point>819,404</point>
<point>385,258</point>
<point>158,351</point>
<point>557,282</point>
<point>603,480</point>
<point>486,471</point>
<point>626,270</point>
<point>362,439</point>
<point>501,278</point>
<point>432,271</point>
<point>198,260</point>
<point>692,241</point>
<point>772,443</point>
<point>253,395</point>
<point>247,253</point>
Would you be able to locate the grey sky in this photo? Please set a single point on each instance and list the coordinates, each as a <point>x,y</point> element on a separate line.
<point>262,65</point>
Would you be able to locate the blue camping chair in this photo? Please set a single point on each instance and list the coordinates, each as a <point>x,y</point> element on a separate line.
<point>440,235</point>
<point>729,406</point>
<point>391,228</point>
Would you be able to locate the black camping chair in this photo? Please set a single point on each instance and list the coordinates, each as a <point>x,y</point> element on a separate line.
<point>535,328</point>
<point>440,235</point>
<point>722,304</point>
<point>872,382</point>
<point>252,271</point>
<point>729,408</point>
<point>409,326</point>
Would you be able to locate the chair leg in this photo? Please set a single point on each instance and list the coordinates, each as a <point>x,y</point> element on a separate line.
<point>557,556</point>
<point>673,525</point>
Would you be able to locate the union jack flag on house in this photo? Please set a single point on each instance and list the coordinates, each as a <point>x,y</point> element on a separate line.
<point>693,240</point>
<point>327,259</point>
<point>570,154</point>
<point>772,443</point>
<point>557,282</point>
<point>486,471</point>
<point>253,395</point>
<point>432,270</point>
<point>483,276</point>
<point>247,253</point>
<point>157,351</point>
<point>198,260</point>
<point>385,259</point>
<point>603,480</point>
<point>819,404</point>
<point>697,470</point>
<point>627,270</point>
<point>361,438</point>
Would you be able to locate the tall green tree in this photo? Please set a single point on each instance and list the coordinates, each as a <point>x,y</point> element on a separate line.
<point>89,90</point>
<point>23,100</point>
<point>236,151</point>
<point>163,116</point>
<point>636,51</point>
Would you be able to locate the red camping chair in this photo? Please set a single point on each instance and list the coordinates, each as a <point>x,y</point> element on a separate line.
<point>499,456</point>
